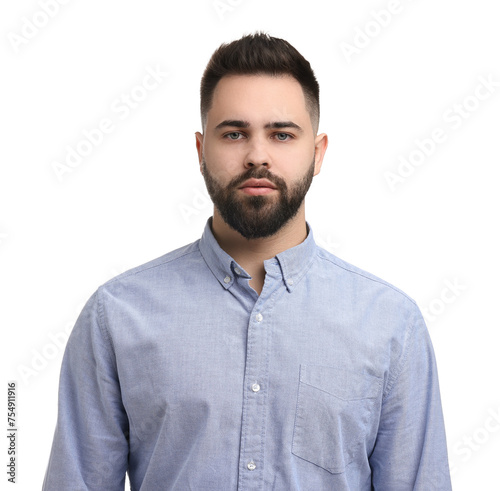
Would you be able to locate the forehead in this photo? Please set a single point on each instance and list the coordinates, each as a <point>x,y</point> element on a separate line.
<point>258,98</point>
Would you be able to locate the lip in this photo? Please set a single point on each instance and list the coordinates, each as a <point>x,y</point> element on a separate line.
<point>257,187</point>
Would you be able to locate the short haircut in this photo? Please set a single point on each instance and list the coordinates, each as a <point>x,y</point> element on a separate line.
<point>259,54</point>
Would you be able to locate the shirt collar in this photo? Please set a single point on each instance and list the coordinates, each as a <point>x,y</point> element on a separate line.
<point>293,262</point>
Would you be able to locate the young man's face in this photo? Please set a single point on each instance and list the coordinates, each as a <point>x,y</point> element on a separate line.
<point>259,153</point>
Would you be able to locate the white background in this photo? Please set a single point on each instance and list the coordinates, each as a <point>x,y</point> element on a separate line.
<point>139,193</point>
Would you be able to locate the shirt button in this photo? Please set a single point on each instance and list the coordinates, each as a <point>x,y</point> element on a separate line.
<point>259,317</point>
<point>251,466</point>
<point>256,387</point>
<point>290,282</point>
<point>237,271</point>
<point>227,279</point>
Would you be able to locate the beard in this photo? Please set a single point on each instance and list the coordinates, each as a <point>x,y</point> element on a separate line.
<point>256,217</point>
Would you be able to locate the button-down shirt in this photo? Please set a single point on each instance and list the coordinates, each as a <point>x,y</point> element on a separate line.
<point>178,372</point>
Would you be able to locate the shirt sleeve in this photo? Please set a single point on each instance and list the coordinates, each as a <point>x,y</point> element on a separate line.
<point>410,450</point>
<point>90,447</point>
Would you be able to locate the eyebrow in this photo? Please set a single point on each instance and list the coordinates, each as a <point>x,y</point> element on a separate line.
<point>282,125</point>
<point>237,123</point>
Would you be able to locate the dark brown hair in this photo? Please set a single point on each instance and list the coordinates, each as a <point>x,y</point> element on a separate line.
<point>256,54</point>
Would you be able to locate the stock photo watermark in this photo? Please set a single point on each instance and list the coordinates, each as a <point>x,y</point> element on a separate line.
<point>32,26</point>
<point>12,428</point>
<point>41,357</point>
<point>121,108</point>
<point>199,203</point>
<point>473,442</point>
<point>448,295</point>
<point>453,118</point>
<point>222,7</point>
<point>371,29</point>
<point>327,241</point>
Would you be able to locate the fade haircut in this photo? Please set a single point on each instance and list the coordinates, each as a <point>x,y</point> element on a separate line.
<point>259,54</point>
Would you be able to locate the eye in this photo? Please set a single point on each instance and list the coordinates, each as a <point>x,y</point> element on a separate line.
<point>234,135</point>
<point>283,136</point>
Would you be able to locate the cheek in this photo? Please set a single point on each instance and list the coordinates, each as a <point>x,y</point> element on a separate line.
<point>294,153</point>
<point>223,160</point>
<point>294,165</point>
<point>220,168</point>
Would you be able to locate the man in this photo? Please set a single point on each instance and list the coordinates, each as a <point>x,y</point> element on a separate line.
<point>251,359</point>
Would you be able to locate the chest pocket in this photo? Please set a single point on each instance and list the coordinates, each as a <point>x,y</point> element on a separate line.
<point>334,415</point>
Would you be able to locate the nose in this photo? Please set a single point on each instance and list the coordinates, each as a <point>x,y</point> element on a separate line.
<point>257,154</point>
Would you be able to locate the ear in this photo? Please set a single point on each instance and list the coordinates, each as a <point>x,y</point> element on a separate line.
<point>320,146</point>
<point>199,148</point>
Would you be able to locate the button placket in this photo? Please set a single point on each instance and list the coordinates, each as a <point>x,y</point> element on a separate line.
<point>254,405</point>
<point>255,400</point>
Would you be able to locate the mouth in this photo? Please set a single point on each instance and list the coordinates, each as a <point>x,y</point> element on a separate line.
<point>257,187</point>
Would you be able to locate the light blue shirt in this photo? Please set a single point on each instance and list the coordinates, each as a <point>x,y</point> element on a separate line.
<point>178,373</point>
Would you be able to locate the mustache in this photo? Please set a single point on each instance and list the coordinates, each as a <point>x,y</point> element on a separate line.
<point>258,173</point>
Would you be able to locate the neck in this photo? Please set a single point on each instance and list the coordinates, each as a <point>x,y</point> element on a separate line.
<point>251,253</point>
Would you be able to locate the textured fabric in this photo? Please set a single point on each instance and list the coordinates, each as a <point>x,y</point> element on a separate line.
<point>178,373</point>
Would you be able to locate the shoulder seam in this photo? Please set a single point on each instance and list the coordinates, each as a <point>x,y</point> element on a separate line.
<point>138,269</point>
<point>102,324</point>
<point>394,378</point>
<point>376,280</point>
